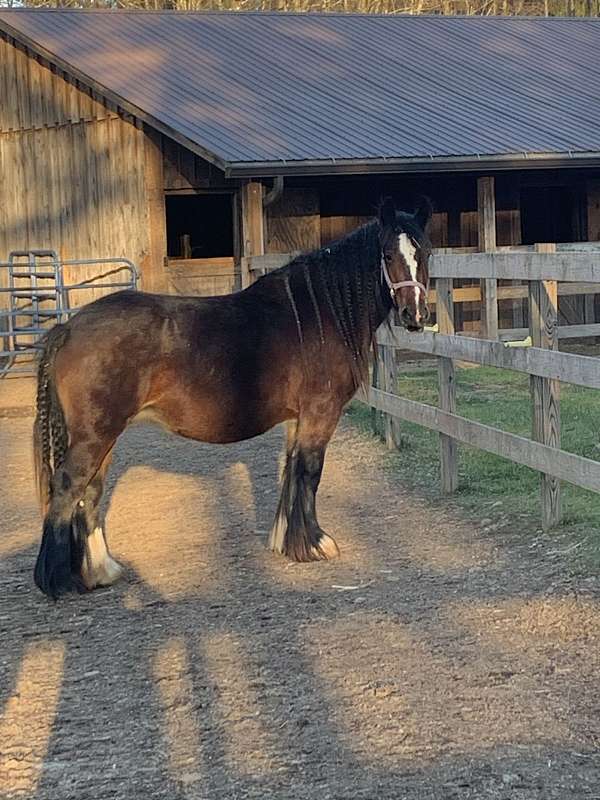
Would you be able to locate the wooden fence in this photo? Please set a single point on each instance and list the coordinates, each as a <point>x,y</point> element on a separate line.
<point>543,266</point>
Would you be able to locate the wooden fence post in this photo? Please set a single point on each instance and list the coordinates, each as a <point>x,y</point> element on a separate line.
<point>376,415</point>
<point>391,425</point>
<point>486,207</point>
<point>545,392</point>
<point>447,386</point>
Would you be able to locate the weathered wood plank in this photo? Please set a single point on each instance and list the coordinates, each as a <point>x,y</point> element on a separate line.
<point>473,294</point>
<point>104,179</point>
<point>561,247</point>
<point>438,229</point>
<point>74,93</point>
<point>486,207</point>
<point>199,267</point>
<point>387,380</point>
<point>566,466</point>
<point>333,228</point>
<point>7,91</point>
<point>376,416</point>
<point>253,234</point>
<point>260,265</point>
<point>565,367</point>
<point>34,92</point>
<point>564,332</point>
<point>293,222</point>
<point>22,98</point>
<point>573,266</point>
<point>447,389</point>
<point>153,270</point>
<point>545,392</point>
<point>205,277</point>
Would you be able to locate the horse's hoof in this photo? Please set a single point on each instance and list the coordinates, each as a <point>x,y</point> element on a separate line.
<point>326,549</point>
<point>105,574</point>
<point>109,572</point>
<point>99,568</point>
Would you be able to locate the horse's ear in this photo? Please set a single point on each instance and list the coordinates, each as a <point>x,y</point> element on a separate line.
<point>423,212</point>
<point>387,213</point>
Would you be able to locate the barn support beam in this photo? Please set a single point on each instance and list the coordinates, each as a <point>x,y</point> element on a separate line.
<point>153,266</point>
<point>253,228</point>
<point>486,214</point>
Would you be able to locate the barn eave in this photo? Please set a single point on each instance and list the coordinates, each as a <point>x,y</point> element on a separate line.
<point>358,166</point>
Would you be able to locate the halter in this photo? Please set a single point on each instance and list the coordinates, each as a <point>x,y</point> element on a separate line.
<point>401,284</point>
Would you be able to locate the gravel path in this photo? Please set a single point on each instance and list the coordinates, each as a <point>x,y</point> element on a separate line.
<point>433,660</point>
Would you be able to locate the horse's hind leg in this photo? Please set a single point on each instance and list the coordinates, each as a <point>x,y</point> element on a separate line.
<point>296,532</point>
<point>59,564</point>
<point>98,567</point>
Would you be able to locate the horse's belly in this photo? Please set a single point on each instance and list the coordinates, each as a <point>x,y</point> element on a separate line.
<point>219,420</point>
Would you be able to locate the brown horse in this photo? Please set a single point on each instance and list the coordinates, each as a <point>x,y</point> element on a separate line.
<point>293,346</point>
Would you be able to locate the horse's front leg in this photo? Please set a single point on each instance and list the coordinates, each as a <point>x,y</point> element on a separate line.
<point>296,532</point>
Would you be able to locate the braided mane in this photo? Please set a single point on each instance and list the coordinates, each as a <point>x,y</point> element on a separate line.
<point>340,283</point>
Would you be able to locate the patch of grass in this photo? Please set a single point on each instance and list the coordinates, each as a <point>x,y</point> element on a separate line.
<point>490,485</point>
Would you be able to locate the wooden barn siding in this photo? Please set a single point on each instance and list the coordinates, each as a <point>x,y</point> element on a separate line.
<point>293,222</point>
<point>184,170</point>
<point>73,172</point>
<point>206,277</point>
<point>38,95</point>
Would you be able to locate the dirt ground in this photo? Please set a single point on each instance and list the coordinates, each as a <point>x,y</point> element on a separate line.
<point>435,659</point>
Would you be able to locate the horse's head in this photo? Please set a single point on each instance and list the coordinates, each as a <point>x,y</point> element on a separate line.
<point>405,251</point>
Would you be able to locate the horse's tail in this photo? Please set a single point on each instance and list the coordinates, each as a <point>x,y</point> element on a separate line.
<point>59,560</point>
<point>50,434</point>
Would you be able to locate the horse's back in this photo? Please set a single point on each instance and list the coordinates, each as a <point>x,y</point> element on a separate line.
<point>209,367</point>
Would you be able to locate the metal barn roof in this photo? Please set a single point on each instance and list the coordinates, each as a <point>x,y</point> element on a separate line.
<point>262,93</point>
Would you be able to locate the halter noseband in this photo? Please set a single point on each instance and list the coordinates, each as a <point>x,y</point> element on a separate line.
<point>401,284</point>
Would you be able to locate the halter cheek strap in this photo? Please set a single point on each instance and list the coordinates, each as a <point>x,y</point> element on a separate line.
<point>393,287</point>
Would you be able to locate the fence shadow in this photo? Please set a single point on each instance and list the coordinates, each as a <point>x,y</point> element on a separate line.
<point>427,663</point>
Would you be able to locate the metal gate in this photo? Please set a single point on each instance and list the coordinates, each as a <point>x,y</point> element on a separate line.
<point>34,296</point>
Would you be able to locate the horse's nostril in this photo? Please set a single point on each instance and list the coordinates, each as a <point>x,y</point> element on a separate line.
<point>406,315</point>
<point>426,315</point>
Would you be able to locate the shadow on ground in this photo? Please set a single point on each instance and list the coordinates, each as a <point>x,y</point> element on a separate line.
<point>431,661</point>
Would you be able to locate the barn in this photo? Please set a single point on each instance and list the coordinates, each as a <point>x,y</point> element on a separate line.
<point>187,142</point>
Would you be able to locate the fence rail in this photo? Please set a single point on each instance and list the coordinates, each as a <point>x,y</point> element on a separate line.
<point>514,265</point>
<point>566,367</point>
<point>572,468</point>
<point>546,271</point>
<point>575,265</point>
<point>542,361</point>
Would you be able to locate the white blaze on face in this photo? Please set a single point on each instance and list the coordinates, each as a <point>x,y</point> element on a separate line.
<point>408,251</point>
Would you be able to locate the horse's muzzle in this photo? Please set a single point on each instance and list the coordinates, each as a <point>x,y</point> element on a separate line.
<point>414,319</point>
